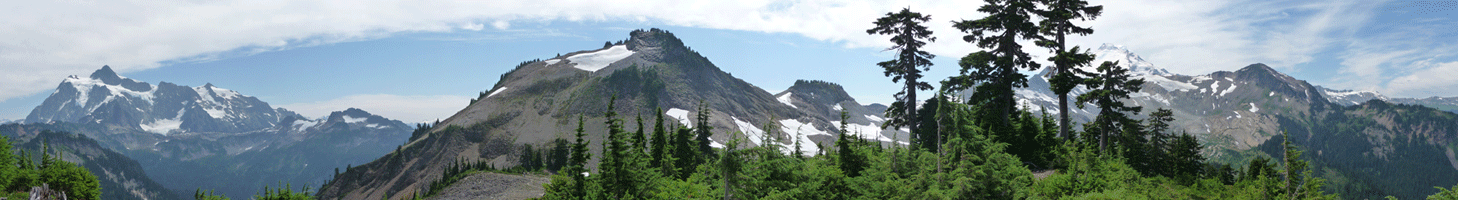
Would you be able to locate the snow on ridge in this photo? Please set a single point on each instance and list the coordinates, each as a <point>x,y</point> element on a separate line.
<point>305,124</point>
<point>351,120</point>
<point>498,91</point>
<point>597,60</point>
<point>785,98</point>
<point>84,85</point>
<point>680,114</point>
<point>1168,84</point>
<point>552,61</point>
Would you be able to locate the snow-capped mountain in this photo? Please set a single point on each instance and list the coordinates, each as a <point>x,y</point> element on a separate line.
<point>179,131</point>
<point>106,98</point>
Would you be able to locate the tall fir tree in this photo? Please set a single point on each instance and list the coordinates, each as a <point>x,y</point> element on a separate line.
<point>995,73</point>
<point>703,130</point>
<point>848,160</point>
<point>1110,86</point>
<point>907,37</point>
<point>660,142</point>
<point>640,140</point>
<point>1057,24</point>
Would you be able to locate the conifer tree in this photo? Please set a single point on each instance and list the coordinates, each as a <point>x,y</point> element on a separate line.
<point>578,164</point>
<point>616,157</point>
<point>1110,86</point>
<point>640,140</point>
<point>660,142</point>
<point>908,36</point>
<point>686,151</point>
<point>850,162</point>
<point>995,73</point>
<point>703,130</point>
<point>1057,24</point>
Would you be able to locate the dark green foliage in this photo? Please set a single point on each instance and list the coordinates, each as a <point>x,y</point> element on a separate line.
<point>558,155</point>
<point>1109,88</point>
<point>530,158</point>
<point>660,149</point>
<point>74,180</point>
<point>1445,194</point>
<point>994,73</point>
<point>702,131</point>
<point>849,161</point>
<point>460,170</point>
<point>686,151</point>
<point>908,36</point>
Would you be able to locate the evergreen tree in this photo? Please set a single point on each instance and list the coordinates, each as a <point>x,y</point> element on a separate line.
<point>578,164</point>
<point>616,158</point>
<point>908,37</point>
<point>1056,25</point>
<point>703,130</point>
<point>686,151</point>
<point>1110,87</point>
<point>640,140</point>
<point>1157,127</point>
<point>849,161</point>
<point>1299,186</point>
<point>995,73</point>
<point>660,143</point>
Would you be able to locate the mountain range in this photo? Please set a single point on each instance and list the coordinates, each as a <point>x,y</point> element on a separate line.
<point>157,141</point>
<point>1358,144</point>
<point>207,137</point>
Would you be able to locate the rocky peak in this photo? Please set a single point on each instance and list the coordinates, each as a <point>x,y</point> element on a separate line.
<point>656,45</point>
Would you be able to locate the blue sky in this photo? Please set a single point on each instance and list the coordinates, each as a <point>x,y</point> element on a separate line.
<point>420,61</point>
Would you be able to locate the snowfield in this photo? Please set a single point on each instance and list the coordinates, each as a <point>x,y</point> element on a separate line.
<point>600,59</point>
<point>680,114</point>
<point>498,91</point>
<point>785,98</point>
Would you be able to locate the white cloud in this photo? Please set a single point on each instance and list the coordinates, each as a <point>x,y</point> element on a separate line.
<point>50,39</point>
<point>501,24</point>
<point>409,109</point>
<point>1433,81</point>
<point>473,26</point>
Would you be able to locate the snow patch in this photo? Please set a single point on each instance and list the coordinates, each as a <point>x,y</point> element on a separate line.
<point>162,126</point>
<point>348,119</point>
<point>552,61</point>
<point>680,114</point>
<point>498,91</point>
<point>600,59</point>
<point>1253,108</point>
<point>802,132</point>
<point>1228,90</point>
<point>785,98</point>
<point>754,133</point>
<point>376,126</point>
<point>304,124</point>
<point>1168,84</point>
<point>837,107</point>
<point>875,119</point>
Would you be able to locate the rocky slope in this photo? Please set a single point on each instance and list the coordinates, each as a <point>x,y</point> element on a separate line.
<point>539,101</point>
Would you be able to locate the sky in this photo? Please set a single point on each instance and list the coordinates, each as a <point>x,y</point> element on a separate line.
<point>422,60</point>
